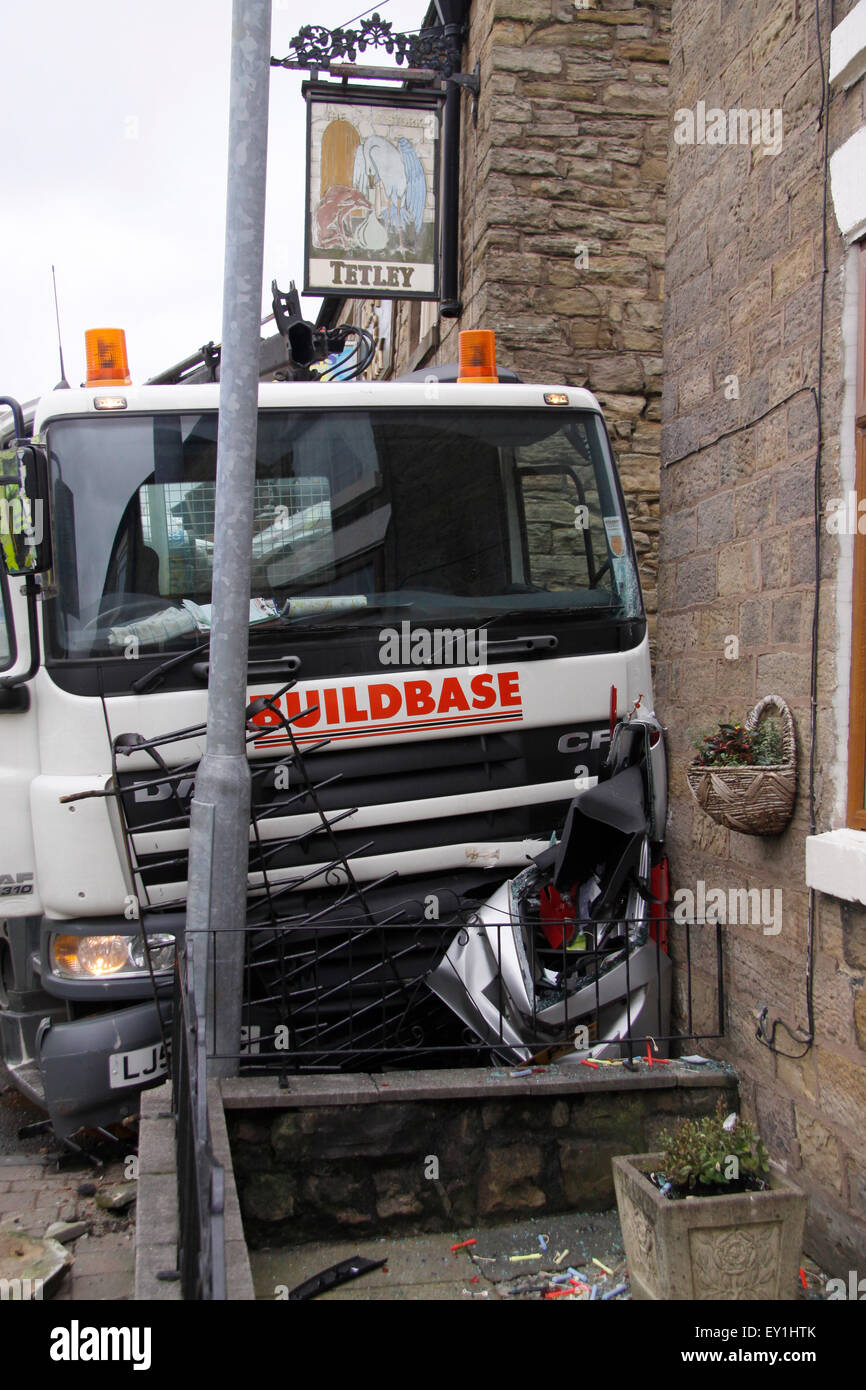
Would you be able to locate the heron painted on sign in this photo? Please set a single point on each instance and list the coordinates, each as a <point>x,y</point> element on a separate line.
<point>396,173</point>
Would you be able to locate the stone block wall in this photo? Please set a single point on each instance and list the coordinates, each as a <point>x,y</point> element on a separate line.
<point>737,558</point>
<point>562,218</point>
<point>322,1171</point>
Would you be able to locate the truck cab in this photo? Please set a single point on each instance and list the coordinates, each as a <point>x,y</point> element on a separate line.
<point>447,644</point>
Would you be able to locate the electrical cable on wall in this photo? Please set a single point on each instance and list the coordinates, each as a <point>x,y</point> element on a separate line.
<point>766,1034</point>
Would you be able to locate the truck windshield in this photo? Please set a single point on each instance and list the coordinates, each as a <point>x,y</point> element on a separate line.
<point>439,512</point>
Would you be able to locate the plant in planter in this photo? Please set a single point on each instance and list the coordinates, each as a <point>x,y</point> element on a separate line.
<point>717,1154</point>
<point>709,1217</point>
<point>744,775</point>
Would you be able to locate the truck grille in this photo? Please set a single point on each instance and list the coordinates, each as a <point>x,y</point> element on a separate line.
<point>348,850</point>
<point>464,792</point>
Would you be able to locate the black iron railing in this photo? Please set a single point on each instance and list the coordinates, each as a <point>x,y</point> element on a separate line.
<point>357,997</point>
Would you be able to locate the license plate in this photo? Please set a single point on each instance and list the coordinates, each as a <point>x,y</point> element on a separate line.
<point>133,1068</point>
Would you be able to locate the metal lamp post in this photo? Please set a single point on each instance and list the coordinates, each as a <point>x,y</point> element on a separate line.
<point>219,818</point>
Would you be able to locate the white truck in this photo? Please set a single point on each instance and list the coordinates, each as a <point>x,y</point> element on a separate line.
<point>450,693</point>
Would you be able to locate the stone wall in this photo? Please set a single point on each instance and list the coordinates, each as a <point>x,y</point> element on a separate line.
<point>309,1173</point>
<point>736,577</point>
<point>562,218</point>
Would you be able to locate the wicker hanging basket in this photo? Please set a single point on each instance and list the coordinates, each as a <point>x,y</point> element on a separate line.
<point>752,800</point>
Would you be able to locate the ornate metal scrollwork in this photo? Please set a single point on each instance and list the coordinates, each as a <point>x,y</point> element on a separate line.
<point>432,48</point>
<point>315,46</point>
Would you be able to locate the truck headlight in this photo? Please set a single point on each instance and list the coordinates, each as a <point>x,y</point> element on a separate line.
<point>161,951</point>
<point>97,957</point>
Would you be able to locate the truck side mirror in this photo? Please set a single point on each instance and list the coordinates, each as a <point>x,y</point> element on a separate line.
<point>25,535</point>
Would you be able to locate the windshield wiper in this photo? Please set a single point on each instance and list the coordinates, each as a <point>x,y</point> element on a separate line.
<point>316,622</point>
<point>256,670</point>
<point>157,674</point>
<point>282,667</point>
<point>519,646</point>
<point>544,614</point>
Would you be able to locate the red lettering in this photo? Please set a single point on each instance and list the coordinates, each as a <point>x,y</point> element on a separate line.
<point>294,706</point>
<point>509,691</point>
<point>266,717</point>
<point>418,697</point>
<point>385,701</point>
<point>332,706</point>
<point>452,696</point>
<point>482,689</point>
<point>353,714</point>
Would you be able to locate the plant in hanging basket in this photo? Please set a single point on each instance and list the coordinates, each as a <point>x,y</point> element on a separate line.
<point>744,775</point>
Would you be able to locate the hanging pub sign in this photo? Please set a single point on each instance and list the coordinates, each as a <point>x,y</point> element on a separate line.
<point>372,214</point>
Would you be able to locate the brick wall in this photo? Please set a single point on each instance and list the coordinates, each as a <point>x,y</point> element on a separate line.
<point>743,270</point>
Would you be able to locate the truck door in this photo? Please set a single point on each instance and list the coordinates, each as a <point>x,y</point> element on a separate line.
<point>21,1002</point>
<point>19,756</point>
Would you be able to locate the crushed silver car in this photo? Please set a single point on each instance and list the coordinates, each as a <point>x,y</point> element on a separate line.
<point>565,956</point>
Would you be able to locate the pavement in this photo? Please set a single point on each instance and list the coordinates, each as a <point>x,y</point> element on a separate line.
<point>489,1265</point>
<point>40,1184</point>
<point>15,1113</point>
<point>494,1267</point>
<point>34,1195</point>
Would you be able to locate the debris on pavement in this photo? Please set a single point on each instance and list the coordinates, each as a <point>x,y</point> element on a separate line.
<point>67,1231</point>
<point>333,1277</point>
<point>584,1262</point>
<point>117,1198</point>
<point>813,1281</point>
<point>581,1256</point>
<point>30,1267</point>
<point>46,1206</point>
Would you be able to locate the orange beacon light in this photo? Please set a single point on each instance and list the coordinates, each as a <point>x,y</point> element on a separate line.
<point>477,356</point>
<point>105,349</point>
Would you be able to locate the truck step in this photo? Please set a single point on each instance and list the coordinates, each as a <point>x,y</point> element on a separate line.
<point>28,1079</point>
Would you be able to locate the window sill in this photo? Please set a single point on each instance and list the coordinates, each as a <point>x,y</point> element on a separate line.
<point>848,48</point>
<point>836,864</point>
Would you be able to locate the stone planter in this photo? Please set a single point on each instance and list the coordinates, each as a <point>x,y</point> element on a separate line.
<point>743,1247</point>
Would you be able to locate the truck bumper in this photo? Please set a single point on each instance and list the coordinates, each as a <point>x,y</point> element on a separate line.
<point>94,1068</point>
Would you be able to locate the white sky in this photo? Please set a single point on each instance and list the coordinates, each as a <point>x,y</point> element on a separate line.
<point>114,129</point>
